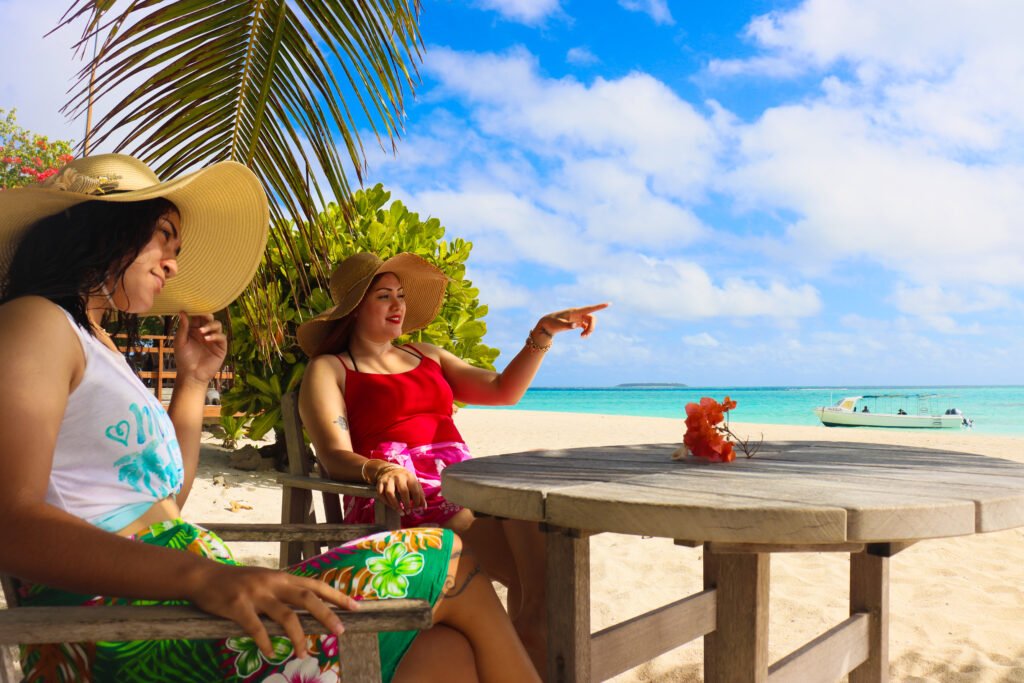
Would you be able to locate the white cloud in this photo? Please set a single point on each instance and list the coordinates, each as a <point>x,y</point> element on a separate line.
<point>581,56</point>
<point>862,189</point>
<point>635,119</point>
<point>497,291</point>
<point>936,300</point>
<point>922,37</point>
<point>615,206</point>
<point>673,289</point>
<point>529,12</point>
<point>702,340</point>
<point>655,9</point>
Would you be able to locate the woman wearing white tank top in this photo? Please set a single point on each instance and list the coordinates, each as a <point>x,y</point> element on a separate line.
<point>95,472</point>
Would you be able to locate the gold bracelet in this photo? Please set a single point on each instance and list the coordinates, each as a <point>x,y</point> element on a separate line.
<point>534,346</point>
<point>384,470</point>
<point>362,471</point>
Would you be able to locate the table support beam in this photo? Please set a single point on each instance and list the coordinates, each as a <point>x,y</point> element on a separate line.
<point>827,658</point>
<point>568,596</point>
<point>630,643</point>
<point>869,592</point>
<point>737,650</point>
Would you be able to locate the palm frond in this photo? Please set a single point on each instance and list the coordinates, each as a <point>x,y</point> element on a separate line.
<point>282,86</point>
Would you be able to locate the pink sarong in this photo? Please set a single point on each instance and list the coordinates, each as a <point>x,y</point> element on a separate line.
<point>426,462</point>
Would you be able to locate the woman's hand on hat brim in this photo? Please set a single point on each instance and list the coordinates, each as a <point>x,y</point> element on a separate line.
<point>200,347</point>
<point>581,318</point>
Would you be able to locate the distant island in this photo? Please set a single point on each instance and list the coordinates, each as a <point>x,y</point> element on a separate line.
<point>650,385</point>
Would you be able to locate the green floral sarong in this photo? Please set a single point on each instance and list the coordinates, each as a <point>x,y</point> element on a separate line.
<point>410,563</point>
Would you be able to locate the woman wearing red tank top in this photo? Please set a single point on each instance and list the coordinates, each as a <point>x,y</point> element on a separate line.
<point>382,413</point>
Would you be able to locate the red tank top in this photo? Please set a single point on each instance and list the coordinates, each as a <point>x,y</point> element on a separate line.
<point>413,407</point>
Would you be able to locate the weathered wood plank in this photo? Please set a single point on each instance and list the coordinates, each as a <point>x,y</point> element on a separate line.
<point>647,506</point>
<point>737,650</point>
<point>342,488</point>
<point>734,548</point>
<point>9,669</point>
<point>869,593</point>
<point>620,647</point>
<point>827,658</point>
<point>72,624</point>
<point>951,495</point>
<point>366,667</point>
<point>323,533</point>
<point>568,596</point>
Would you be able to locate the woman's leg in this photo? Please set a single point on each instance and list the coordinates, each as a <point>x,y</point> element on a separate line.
<point>485,538</point>
<point>470,606</point>
<point>514,553</point>
<point>440,655</point>
<point>529,549</point>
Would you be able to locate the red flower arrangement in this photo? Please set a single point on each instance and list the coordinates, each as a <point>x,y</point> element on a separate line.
<point>708,435</point>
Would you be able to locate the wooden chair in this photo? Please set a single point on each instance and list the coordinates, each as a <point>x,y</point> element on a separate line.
<point>298,485</point>
<point>360,662</point>
<point>300,536</point>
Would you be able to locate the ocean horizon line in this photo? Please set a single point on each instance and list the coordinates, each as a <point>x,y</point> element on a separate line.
<point>994,408</point>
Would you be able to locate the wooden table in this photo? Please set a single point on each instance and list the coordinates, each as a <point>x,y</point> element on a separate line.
<point>867,500</point>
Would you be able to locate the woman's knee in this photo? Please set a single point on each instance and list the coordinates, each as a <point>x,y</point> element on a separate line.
<point>440,654</point>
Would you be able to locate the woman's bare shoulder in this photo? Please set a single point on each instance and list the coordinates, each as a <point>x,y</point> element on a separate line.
<point>34,327</point>
<point>32,316</point>
<point>324,362</point>
<point>429,350</point>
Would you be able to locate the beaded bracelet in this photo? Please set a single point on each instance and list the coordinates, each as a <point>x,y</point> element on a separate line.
<point>534,346</point>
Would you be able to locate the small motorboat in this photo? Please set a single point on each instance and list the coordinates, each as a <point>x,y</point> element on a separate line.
<point>893,413</point>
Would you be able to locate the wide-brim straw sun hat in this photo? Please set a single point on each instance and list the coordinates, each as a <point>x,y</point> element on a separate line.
<point>423,283</point>
<point>224,221</point>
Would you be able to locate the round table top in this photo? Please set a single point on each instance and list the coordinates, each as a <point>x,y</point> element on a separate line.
<point>789,493</point>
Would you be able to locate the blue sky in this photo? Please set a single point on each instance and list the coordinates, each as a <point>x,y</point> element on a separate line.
<point>816,192</point>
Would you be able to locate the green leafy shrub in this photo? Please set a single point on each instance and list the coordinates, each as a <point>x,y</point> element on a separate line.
<point>262,376</point>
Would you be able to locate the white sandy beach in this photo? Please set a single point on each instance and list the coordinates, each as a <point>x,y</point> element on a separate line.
<point>957,604</point>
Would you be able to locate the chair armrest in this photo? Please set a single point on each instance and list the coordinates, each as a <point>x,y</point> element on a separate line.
<point>341,488</point>
<point>157,622</point>
<point>323,533</point>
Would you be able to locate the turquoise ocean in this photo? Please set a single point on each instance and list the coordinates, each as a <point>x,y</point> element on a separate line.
<point>995,410</point>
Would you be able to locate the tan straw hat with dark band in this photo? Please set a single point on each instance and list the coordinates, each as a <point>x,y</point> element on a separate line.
<point>424,286</point>
<point>224,221</point>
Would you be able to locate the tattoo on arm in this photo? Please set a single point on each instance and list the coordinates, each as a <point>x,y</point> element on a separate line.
<point>456,592</point>
<point>342,422</point>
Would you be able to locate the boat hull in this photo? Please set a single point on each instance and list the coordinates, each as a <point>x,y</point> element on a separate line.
<point>845,418</point>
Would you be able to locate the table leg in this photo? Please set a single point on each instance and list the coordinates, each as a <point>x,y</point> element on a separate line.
<point>869,592</point>
<point>737,650</point>
<point>568,596</point>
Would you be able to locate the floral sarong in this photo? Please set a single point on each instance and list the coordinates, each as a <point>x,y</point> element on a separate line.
<point>426,462</point>
<point>409,563</point>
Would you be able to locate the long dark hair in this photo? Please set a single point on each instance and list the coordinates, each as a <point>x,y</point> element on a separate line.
<point>69,256</point>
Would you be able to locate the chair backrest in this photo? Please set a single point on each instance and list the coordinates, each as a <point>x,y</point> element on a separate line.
<point>298,485</point>
<point>10,587</point>
<point>301,457</point>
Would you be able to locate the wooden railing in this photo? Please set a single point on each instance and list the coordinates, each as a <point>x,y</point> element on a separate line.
<point>161,369</point>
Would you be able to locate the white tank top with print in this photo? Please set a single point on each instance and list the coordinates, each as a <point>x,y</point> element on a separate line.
<point>116,451</point>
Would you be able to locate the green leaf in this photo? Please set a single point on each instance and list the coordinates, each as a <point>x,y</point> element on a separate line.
<point>262,424</point>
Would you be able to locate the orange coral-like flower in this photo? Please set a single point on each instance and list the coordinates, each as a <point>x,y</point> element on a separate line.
<point>703,437</point>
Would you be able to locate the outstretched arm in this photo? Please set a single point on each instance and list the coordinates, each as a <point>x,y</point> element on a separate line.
<point>485,387</point>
